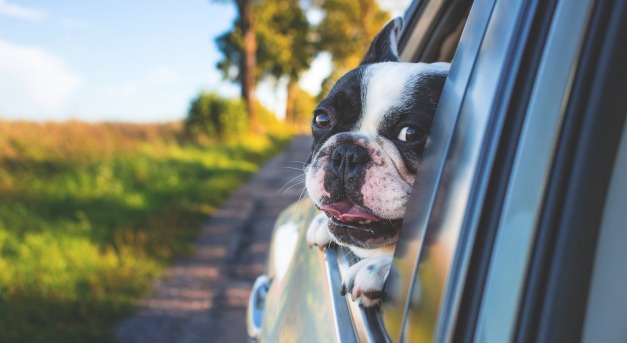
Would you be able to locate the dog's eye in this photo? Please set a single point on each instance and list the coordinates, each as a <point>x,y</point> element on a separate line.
<point>322,120</point>
<point>408,134</point>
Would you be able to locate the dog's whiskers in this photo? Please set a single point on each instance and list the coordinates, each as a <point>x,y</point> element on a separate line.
<point>302,196</point>
<point>288,182</point>
<point>292,186</point>
<point>299,169</point>
<point>301,162</point>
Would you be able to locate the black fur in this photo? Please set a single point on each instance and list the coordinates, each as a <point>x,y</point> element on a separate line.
<point>424,93</point>
<point>383,47</point>
<point>342,105</point>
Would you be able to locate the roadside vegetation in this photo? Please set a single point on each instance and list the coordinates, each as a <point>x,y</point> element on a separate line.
<point>90,213</point>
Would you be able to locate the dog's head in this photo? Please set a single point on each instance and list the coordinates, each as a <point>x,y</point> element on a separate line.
<point>369,133</point>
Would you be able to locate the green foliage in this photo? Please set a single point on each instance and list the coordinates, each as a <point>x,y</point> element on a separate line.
<point>89,213</point>
<point>272,125</point>
<point>284,44</point>
<point>346,31</point>
<point>304,105</point>
<point>348,28</point>
<point>231,44</point>
<point>284,41</point>
<point>215,117</point>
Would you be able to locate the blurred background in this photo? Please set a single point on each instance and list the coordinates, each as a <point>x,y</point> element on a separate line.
<point>125,124</point>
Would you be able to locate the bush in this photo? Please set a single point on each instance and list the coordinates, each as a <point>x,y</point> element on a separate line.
<point>215,117</point>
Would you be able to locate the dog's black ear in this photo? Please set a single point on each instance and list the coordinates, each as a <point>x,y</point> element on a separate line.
<point>384,47</point>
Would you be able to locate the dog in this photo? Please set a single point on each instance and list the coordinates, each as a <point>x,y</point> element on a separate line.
<point>369,134</point>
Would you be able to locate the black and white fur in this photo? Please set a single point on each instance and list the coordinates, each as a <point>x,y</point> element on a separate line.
<point>364,157</point>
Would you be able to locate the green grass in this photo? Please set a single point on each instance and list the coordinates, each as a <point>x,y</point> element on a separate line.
<point>89,213</point>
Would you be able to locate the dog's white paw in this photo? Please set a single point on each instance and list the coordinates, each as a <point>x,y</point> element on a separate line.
<point>365,279</point>
<point>318,232</point>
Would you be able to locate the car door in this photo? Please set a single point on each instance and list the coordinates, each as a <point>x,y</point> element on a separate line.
<point>499,238</point>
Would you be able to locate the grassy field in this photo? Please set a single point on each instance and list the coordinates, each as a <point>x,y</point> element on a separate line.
<point>89,213</point>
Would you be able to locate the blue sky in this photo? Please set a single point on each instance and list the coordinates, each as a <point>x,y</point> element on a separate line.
<point>115,60</point>
<point>108,60</point>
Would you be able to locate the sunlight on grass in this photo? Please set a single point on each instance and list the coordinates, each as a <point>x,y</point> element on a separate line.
<point>89,213</point>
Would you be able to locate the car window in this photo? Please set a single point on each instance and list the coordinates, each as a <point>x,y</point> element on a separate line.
<point>431,34</point>
<point>433,30</point>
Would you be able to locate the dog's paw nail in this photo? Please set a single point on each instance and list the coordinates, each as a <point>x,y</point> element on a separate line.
<point>343,290</point>
<point>374,294</point>
<point>321,247</point>
<point>356,294</point>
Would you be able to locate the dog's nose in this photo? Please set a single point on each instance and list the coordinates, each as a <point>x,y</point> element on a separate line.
<point>348,160</point>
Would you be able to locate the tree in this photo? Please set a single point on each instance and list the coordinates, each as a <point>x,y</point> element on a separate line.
<point>284,46</point>
<point>346,31</point>
<point>240,50</point>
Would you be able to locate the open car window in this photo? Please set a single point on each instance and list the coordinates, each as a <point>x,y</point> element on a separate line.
<point>431,34</point>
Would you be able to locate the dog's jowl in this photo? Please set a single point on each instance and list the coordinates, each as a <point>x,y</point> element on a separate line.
<point>369,134</point>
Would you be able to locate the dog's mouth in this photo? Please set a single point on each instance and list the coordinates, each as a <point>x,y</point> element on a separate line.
<point>347,213</point>
<point>355,225</point>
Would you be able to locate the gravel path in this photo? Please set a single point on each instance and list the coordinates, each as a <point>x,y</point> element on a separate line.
<point>203,297</point>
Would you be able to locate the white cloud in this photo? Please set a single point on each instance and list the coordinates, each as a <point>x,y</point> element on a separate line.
<point>21,12</point>
<point>36,75</point>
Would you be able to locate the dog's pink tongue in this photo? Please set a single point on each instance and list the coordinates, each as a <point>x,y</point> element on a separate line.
<point>346,211</point>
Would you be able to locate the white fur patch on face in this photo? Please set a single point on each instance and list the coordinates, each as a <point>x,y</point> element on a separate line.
<point>314,179</point>
<point>384,86</point>
<point>387,186</point>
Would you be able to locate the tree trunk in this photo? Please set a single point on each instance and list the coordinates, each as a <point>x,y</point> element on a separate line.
<point>292,87</point>
<point>248,67</point>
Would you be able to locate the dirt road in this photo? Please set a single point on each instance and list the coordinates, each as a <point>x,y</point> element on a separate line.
<point>203,297</point>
